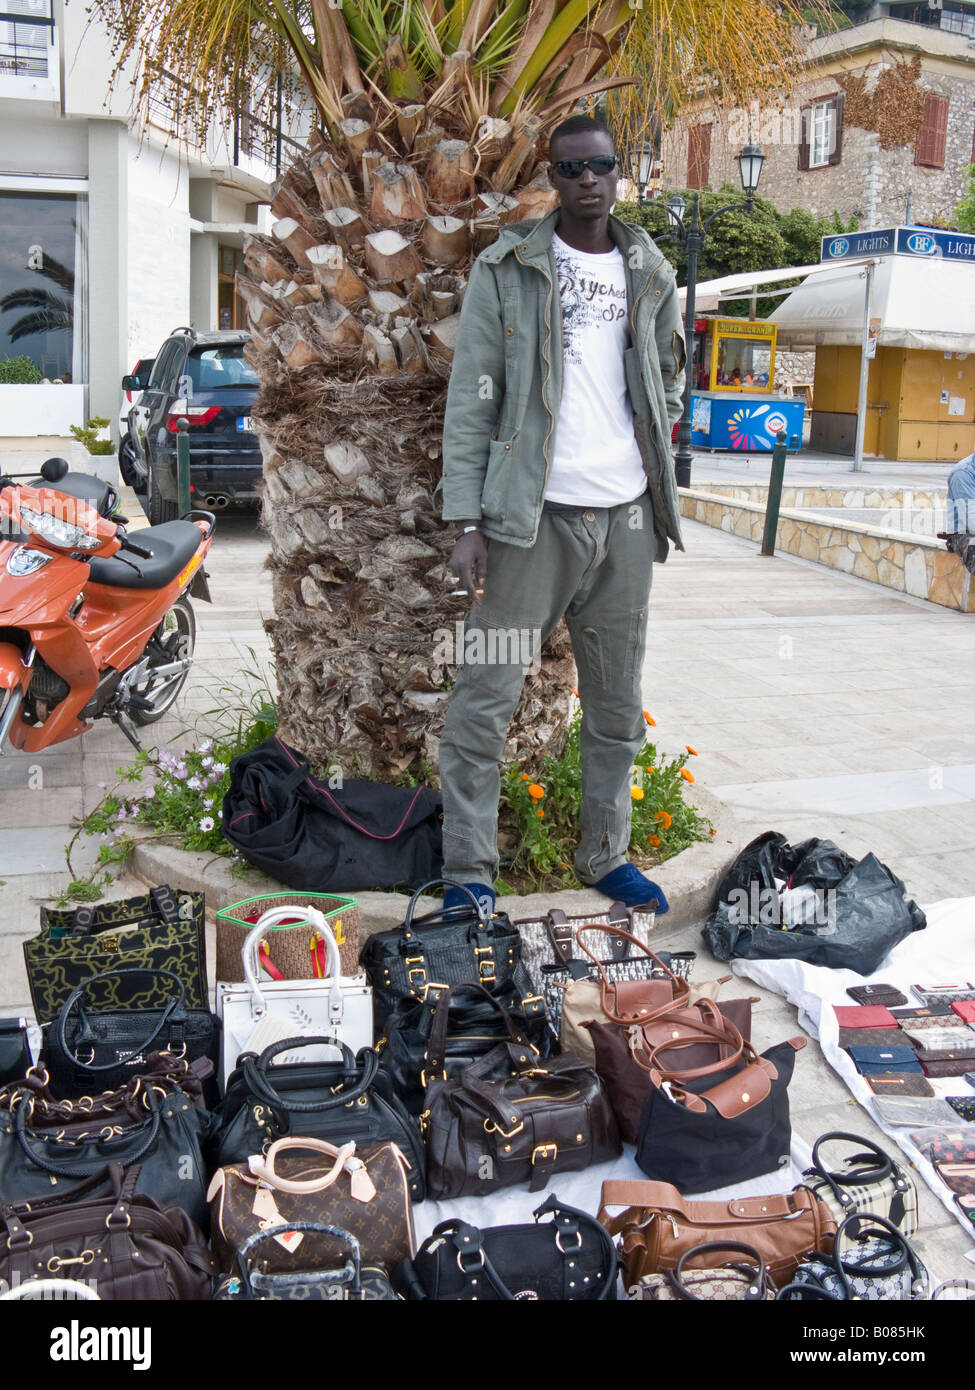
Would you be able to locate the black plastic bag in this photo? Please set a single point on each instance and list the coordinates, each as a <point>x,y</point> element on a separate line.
<point>329,839</point>
<point>861,910</point>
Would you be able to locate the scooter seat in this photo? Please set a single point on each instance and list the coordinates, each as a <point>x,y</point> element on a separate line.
<point>82,486</point>
<point>173,545</point>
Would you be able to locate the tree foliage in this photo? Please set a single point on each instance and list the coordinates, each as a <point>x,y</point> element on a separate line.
<point>964,217</point>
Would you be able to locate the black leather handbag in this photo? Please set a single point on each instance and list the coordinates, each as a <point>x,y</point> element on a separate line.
<point>337,1283</point>
<point>450,946</point>
<point>14,1050</point>
<point>571,1258</point>
<point>336,1101</point>
<point>84,1051</point>
<point>452,1027</point>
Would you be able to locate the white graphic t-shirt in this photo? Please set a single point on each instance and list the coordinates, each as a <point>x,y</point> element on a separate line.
<point>597,462</point>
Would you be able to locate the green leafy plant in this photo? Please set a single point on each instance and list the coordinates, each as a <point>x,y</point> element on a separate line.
<point>541,818</point>
<point>964,216</point>
<point>87,434</point>
<point>18,371</point>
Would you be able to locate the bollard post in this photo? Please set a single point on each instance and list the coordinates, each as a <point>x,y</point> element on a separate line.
<point>774,494</point>
<point>183,465</point>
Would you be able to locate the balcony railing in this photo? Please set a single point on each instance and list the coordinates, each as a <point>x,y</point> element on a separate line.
<point>26,38</point>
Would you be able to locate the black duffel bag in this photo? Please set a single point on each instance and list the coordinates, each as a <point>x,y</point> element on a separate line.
<point>325,839</point>
<point>335,1101</point>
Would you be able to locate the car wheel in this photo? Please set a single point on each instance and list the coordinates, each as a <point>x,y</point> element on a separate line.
<point>159,508</point>
<point>126,462</point>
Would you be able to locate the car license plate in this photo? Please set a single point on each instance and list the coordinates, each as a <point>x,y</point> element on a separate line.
<point>244,422</point>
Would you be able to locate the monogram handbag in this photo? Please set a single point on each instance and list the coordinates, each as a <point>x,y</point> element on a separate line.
<point>290,942</point>
<point>510,1117</point>
<point>257,1013</point>
<point>87,1051</point>
<point>162,930</point>
<point>568,1259</point>
<point>339,1101</point>
<point>449,946</point>
<point>344,1281</point>
<point>868,1182</point>
<point>744,1280</point>
<point>107,1233</point>
<point>15,1058</point>
<point>657,1225</point>
<point>449,1029</point>
<point>880,1266</point>
<point>362,1191</point>
<point>153,1127</point>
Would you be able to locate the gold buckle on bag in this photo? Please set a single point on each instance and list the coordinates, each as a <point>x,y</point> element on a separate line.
<point>545,1151</point>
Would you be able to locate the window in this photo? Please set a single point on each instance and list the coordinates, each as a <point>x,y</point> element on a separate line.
<point>930,148</point>
<point>822,133</point>
<point>743,363</point>
<point>162,368</point>
<point>43,284</point>
<point>212,368</point>
<point>698,155</point>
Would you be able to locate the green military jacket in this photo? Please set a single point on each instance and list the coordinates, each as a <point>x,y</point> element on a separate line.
<point>506,381</point>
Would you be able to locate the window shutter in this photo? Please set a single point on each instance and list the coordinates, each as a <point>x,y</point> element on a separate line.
<point>932,137</point>
<point>805,136</point>
<point>698,155</point>
<point>837,104</point>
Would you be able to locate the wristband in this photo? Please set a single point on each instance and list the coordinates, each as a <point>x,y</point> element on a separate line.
<point>467,529</point>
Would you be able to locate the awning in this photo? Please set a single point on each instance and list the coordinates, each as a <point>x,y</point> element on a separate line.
<point>711,293</point>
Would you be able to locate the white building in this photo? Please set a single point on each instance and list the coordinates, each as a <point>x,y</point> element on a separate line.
<point>111,235</point>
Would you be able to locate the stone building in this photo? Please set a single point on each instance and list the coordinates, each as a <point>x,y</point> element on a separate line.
<point>879,125</point>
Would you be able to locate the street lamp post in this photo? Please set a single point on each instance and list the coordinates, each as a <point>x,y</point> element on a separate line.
<point>641,167</point>
<point>693,237</point>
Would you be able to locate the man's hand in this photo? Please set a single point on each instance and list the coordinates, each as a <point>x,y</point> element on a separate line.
<point>468,561</point>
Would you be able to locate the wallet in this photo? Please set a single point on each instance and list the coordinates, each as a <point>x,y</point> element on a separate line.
<point>963,1106</point>
<point>910,1110</point>
<point>899,1083</point>
<point>887,995</point>
<point>945,1145</point>
<point>871,1037</point>
<point>940,1023</point>
<point>864,1016</point>
<point>960,1177</point>
<point>960,1041</point>
<point>945,1066</point>
<point>870,1060</point>
<point>944,994</point>
<point>924,1011</point>
<point>966,1205</point>
<point>964,1008</point>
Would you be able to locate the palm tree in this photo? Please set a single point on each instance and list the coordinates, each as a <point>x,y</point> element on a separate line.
<point>48,312</point>
<point>433,117</point>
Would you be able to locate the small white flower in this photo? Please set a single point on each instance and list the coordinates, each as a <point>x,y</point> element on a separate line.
<point>149,793</point>
<point>206,762</point>
<point>206,823</point>
<point>206,746</point>
<point>194,784</point>
<point>208,802</point>
<point>219,769</point>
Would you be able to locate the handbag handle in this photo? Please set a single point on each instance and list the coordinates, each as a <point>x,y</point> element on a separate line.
<point>800,1293</point>
<point>172,1006</point>
<point>681,988</point>
<point>896,1241</point>
<point>360,1073</point>
<point>66,1170</point>
<point>435,1054</point>
<point>835,1182</point>
<point>252,944</point>
<point>448,914</point>
<point>263,1165</point>
<point>493,1103</point>
<point>349,1274</point>
<point>720,1031</point>
<point>755,1294</point>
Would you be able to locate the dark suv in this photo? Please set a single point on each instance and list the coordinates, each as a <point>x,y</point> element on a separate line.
<point>204,377</point>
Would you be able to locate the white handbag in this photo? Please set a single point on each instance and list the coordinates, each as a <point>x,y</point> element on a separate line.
<point>257,1013</point>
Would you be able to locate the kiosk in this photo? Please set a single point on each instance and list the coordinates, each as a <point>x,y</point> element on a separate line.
<point>733,403</point>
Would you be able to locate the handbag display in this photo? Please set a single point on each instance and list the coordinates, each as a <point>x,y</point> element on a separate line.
<point>569,1259</point>
<point>869,1182</point>
<point>345,1282</point>
<point>85,1051</point>
<point>450,946</point>
<point>658,1225</point>
<point>510,1118</point>
<point>881,1267</point>
<point>452,1027</point>
<point>362,1191</point>
<point>627,1082</point>
<point>106,1230</point>
<point>15,1058</point>
<point>256,1014</point>
<point>339,1101</point>
<point>153,1127</point>
<point>291,941</point>
<point>736,1282</point>
<point>162,930</point>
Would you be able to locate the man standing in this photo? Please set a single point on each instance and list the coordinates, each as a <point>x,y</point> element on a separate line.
<point>566,382</point>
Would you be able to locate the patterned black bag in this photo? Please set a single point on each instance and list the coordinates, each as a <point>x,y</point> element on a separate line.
<point>881,1266</point>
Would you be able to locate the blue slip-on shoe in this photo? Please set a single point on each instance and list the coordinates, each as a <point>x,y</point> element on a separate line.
<point>453,897</point>
<point>627,885</point>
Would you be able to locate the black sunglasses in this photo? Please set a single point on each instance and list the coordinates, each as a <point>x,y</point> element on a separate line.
<point>572,168</point>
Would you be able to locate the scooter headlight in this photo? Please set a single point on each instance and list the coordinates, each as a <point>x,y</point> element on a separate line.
<point>56,531</point>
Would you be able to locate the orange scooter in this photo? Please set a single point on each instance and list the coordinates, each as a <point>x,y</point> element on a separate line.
<point>93,624</point>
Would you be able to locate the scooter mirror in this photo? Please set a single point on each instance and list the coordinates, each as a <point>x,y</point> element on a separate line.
<point>53,470</point>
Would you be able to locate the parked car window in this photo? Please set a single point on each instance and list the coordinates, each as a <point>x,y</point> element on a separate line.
<point>209,368</point>
<point>161,367</point>
<point>143,371</point>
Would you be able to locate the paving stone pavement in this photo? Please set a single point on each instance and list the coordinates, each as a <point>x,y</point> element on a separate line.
<point>819,705</point>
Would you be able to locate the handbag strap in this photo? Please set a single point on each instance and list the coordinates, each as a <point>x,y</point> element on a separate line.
<point>349,1273</point>
<point>359,1074</point>
<point>66,1170</point>
<point>681,988</point>
<point>483,918</point>
<point>164,901</point>
<point>514,1062</point>
<point>643,1198</point>
<point>897,1243</point>
<point>263,1165</point>
<point>250,952</point>
<point>172,1010</point>
<point>722,1033</point>
<point>438,1000</point>
<point>883,1168</point>
<point>758,1277</point>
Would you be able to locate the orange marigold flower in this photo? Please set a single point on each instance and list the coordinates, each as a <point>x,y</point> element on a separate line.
<point>539,813</point>
<point>687,776</point>
<point>636,793</point>
<point>665,819</point>
<point>648,769</point>
<point>526,777</point>
<point>650,719</point>
<point>536,792</point>
<point>575,693</point>
<point>714,832</point>
<point>693,751</point>
<point>655,841</point>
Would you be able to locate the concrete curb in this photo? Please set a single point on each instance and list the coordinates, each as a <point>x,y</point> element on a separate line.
<point>689,880</point>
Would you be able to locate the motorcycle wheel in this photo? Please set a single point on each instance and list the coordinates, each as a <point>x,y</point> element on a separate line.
<point>175,637</point>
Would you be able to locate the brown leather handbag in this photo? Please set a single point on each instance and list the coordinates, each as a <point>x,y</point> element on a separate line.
<point>111,1237</point>
<point>363,1191</point>
<point>659,1226</point>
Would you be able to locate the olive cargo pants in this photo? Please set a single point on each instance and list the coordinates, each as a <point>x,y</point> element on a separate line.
<point>594,566</point>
